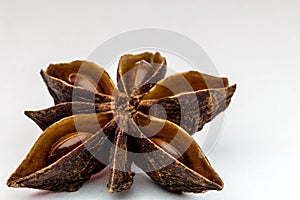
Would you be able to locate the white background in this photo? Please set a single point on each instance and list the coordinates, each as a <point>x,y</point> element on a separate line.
<point>256,43</point>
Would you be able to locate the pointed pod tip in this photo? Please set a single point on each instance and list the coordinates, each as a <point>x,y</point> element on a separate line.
<point>9,183</point>
<point>232,87</point>
<point>212,186</point>
<point>110,190</point>
<point>220,187</point>
<point>230,90</point>
<point>218,184</point>
<point>28,113</point>
<point>42,72</point>
<point>12,183</point>
<point>44,75</point>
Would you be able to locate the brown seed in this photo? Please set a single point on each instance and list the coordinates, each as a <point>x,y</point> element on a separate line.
<point>142,69</point>
<point>66,144</point>
<point>136,71</point>
<point>169,148</point>
<point>81,81</point>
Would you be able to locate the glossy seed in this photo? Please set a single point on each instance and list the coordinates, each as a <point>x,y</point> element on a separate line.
<point>169,148</point>
<point>81,81</point>
<point>142,70</point>
<point>67,144</point>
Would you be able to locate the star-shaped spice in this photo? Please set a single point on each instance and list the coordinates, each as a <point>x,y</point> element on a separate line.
<point>147,120</point>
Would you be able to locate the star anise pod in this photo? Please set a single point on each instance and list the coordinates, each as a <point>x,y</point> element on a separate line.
<point>146,120</point>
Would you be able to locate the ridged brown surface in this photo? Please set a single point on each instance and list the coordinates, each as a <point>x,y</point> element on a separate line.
<point>46,117</point>
<point>93,73</point>
<point>120,175</point>
<point>63,92</point>
<point>147,120</point>
<point>166,170</point>
<point>192,110</point>
<point>70,171</point>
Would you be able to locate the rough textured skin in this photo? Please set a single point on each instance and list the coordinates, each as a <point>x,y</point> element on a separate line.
<point>72,170</point>
<point>67,175</point>
<point>192,110</point>
<point>63,92</point>
<point>120,108</point>
<point>46,117</point>
<point>93,73</point>
<point>120,175</point>
<point>167,171</point>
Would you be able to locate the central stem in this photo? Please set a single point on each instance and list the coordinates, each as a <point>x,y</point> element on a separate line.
<point>122,104</point>
<point>125,105</point>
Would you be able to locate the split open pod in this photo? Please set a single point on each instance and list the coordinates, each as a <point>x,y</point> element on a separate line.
<point>147,120</point>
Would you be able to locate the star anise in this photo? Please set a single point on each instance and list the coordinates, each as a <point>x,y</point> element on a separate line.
<point>147,120</point>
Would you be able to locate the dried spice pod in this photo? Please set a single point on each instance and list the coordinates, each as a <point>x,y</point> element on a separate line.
<point>191,173</point>
<point>46,117</point>
<point>120,175</point>
<point>94,125</point>
<point>189,99</point>
<point>83,74</point>
<point>140,71</point>
<point>190,110</point>
<point>70,171</point>
<point>184,82</point>
<point>62,92</point>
